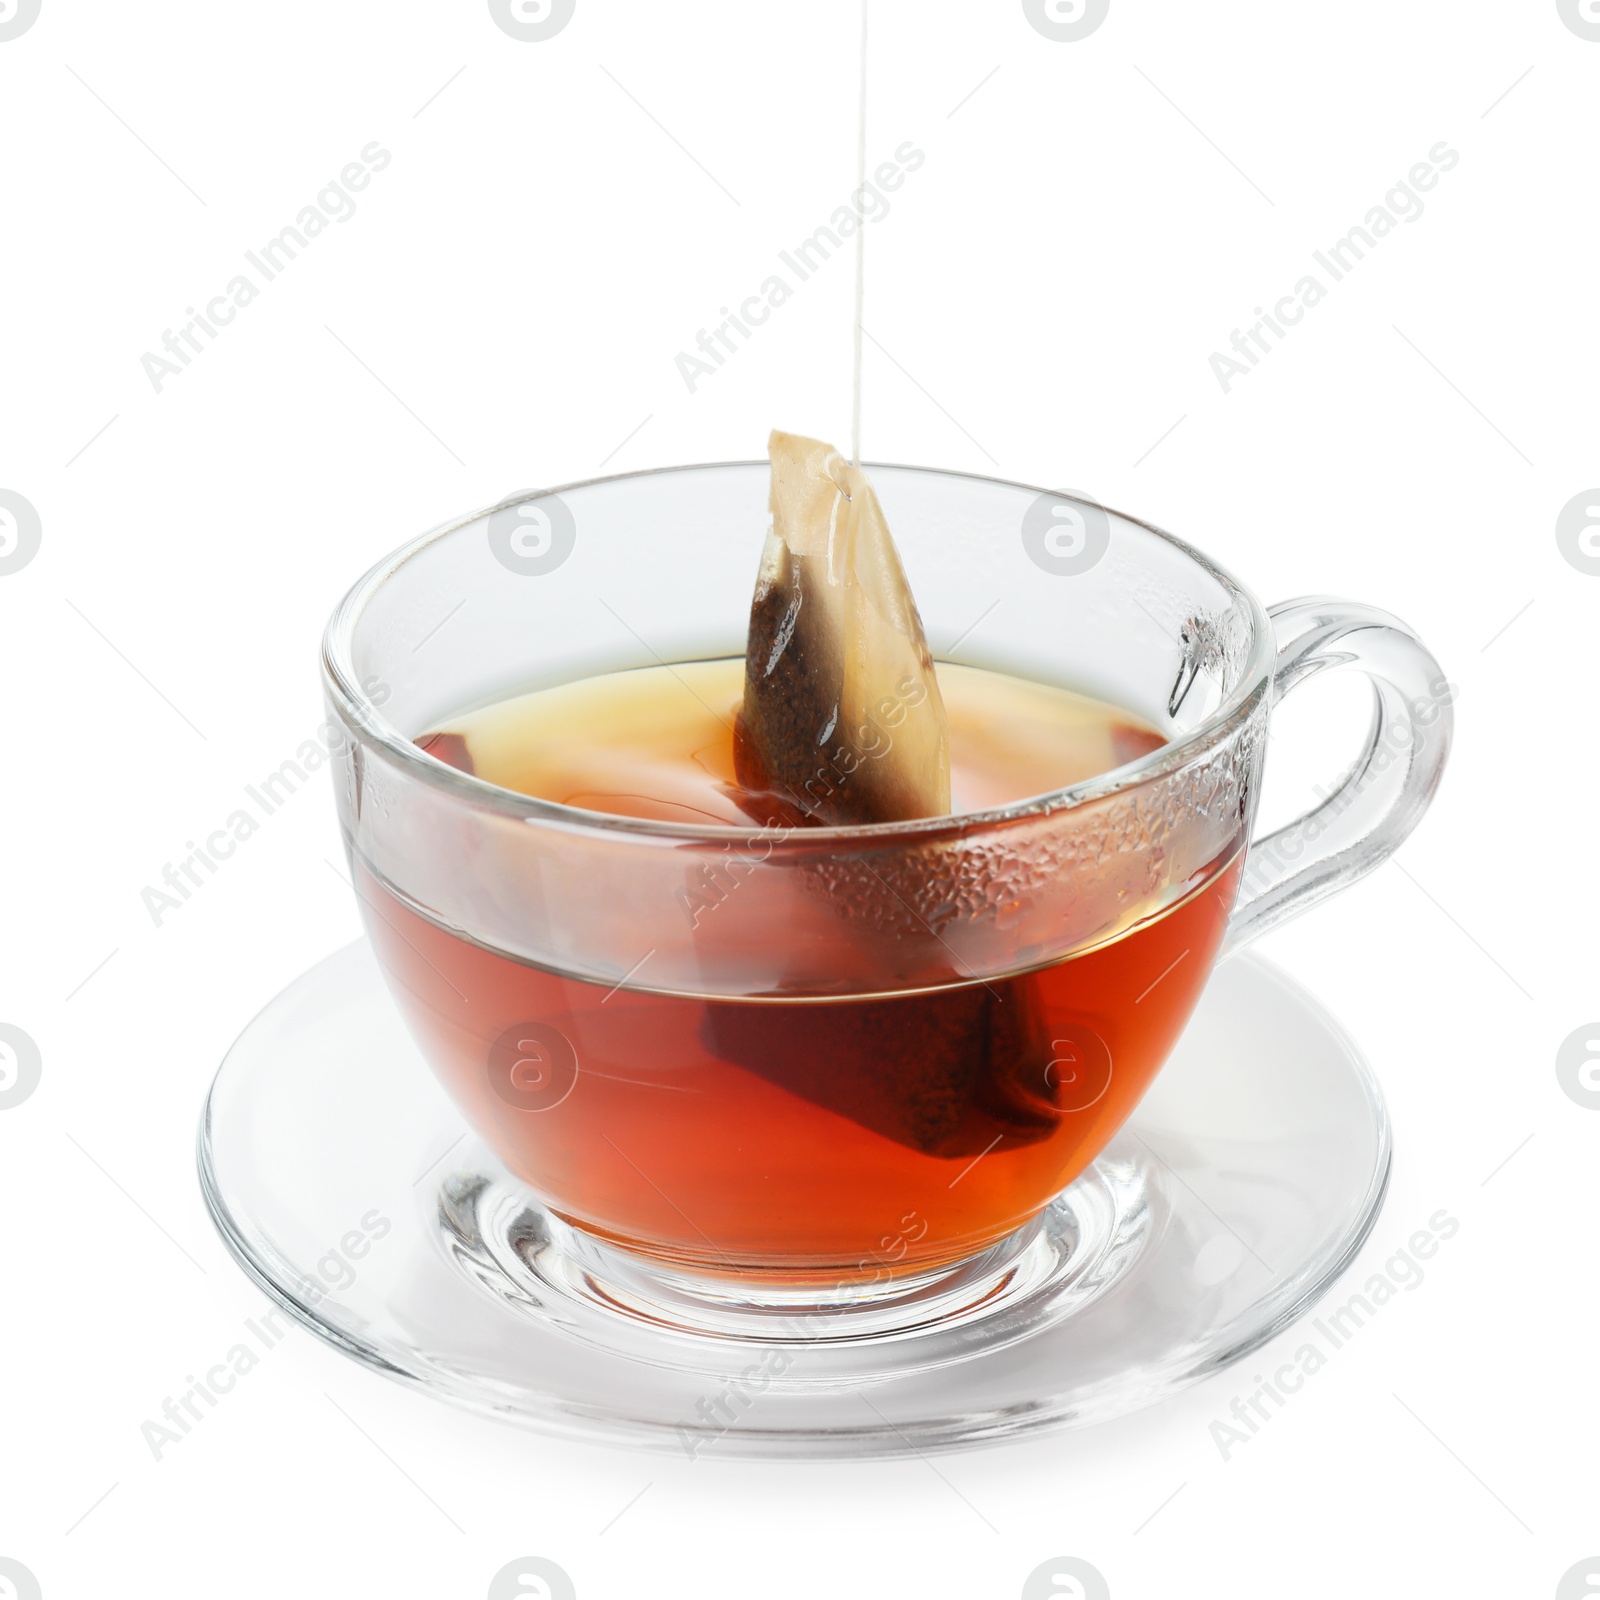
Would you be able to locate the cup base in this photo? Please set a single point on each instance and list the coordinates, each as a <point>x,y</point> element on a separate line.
<point>344,1183</point>
<point>637,1307</point>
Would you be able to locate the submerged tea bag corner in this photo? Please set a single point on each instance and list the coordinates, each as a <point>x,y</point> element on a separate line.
<point>842,720</point>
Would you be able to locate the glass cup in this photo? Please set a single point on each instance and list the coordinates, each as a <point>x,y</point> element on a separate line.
<point>832,1067</point>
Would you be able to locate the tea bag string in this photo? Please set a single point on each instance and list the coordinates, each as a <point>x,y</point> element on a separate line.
<point>861,246</point>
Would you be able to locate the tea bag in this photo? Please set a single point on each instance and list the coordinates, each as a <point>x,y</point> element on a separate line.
<point>946,1072</point>
<point>843,723</point>
<point>842,719</point>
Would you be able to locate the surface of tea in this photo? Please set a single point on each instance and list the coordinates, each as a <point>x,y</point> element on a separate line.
<point>898,1126</point>
<point>659,742</point>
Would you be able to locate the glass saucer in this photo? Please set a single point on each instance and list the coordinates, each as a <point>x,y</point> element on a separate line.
<point>347,1186</point>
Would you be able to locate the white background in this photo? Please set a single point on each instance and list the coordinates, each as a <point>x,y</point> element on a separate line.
<point>503,310</point>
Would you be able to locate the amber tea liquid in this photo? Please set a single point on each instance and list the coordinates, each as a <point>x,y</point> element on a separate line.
<point>865,1134</point>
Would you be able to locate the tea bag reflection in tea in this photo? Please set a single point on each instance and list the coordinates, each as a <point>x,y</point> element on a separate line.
<point>842,720</point>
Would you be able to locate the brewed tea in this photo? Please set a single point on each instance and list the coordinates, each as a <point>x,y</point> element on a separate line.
<point>896,1126</point>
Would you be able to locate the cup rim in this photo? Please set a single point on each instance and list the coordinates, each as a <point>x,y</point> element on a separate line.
<point>365,720</point>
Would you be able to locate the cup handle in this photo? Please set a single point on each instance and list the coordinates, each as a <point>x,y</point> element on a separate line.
<point>1382,796</point>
